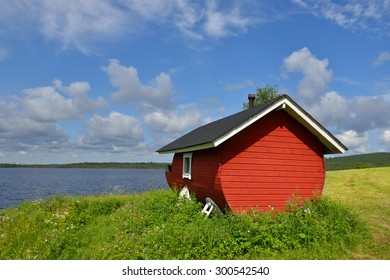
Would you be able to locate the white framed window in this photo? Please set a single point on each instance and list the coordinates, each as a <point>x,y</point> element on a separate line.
<point>187,162</point>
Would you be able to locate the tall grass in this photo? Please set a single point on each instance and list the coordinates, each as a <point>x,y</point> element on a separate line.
<point>158,225</point>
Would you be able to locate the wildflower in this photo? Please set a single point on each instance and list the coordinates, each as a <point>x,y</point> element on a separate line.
<point>307,210</point>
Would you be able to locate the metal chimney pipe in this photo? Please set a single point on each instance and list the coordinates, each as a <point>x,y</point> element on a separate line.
<point>251,98</point>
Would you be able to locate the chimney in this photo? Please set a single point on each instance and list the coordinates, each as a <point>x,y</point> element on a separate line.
<point>251,98</point>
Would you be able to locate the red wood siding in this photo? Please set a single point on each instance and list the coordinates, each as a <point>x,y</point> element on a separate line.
<point>267,162</point>
<point>175,177</point>
<point>205,175</point>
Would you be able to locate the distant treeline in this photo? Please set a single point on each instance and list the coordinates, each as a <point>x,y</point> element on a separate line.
<point>118,165</point>
<point>358,161</point>
<point>335,163</point>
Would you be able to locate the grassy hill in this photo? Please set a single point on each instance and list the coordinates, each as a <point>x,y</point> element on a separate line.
<point>350,221</point>
<point>358,161</point>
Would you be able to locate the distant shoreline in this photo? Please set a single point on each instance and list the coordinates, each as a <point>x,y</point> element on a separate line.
<point>114,165</point>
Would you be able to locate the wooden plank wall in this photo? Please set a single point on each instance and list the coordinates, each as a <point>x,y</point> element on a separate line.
<point>266,163</point>
<point>205,176</point>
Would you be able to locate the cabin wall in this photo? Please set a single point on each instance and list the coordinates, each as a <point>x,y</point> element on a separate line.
<point>205,175</point>
<point>268,162</point>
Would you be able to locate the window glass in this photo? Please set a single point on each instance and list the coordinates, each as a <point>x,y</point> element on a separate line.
<point>187,158</point>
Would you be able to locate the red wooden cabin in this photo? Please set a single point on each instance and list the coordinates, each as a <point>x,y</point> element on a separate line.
<point>259,157</point>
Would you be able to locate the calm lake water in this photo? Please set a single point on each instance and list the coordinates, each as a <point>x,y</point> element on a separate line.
<point>25,184</point>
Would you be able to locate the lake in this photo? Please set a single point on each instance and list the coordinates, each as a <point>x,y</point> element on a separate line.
<point>26,184</point>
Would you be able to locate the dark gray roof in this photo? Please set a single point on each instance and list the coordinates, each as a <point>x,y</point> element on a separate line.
<point>212,131</point>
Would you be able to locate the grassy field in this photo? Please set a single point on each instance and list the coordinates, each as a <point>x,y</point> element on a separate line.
<point>351,221</point>
<point>367,193</point>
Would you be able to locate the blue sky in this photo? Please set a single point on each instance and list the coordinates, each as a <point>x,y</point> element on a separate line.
<point>97,80</point>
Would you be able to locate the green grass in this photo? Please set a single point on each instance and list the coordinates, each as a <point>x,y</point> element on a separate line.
<point>350,221</point>
<point>367,193</point>
<point>156,225</point>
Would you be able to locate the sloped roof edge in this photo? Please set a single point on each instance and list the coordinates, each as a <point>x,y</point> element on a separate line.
<point>215,133</point>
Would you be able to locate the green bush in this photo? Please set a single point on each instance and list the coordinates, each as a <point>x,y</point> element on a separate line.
<point>158,225</point>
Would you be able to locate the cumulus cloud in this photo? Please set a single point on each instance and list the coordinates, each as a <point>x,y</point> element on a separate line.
<point>30,121</point>
<point>331,109</point>
<point>351,118</point>
<point>130,87</point>
<point>173,122</point>
<point>315,73</point>
<point>370,112</point>
<point>154,102</point>
<point>49,103</point>
<point>385,138</point>
<point>19,132</point>
<point>116,130</point>
<point>361,113</point>
<point>355,141</point>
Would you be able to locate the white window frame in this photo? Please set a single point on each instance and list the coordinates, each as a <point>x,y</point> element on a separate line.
<point>187,171</point>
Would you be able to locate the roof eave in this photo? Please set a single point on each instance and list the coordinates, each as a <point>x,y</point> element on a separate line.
<point>189,149</point>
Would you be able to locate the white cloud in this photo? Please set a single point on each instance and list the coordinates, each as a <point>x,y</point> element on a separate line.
<point>369,112</point>
<point>75,23</point>
<point>173,122</point>
<point>80,23</point>
<point>385,138</point>
<point>354,141</point>
<point>47,104</point>
<point>331,109</point>
<point>3,54</point>
<point>221,23</point>
<point>154,102</point>
<point>238,85</point>
<point>20,132</point>
<point>381,58</point>
<point>30,121</point>
<point>361,113</point>
<point>115,130</point>
<point>315,73</point>
<point>370,16</point>
<point>132,89</point>
<point>353,119</point>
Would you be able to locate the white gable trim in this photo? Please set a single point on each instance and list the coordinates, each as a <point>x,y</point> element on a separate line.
<point>233,132</point>
<point>315,129</point>
<point>293,110</point>
<point>283,104</point>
